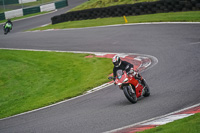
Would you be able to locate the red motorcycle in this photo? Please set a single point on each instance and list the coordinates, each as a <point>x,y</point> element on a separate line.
<point>133,88</point>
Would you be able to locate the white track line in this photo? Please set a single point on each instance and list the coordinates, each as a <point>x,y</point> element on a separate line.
<point>195,43</point>
<point>116,25</point>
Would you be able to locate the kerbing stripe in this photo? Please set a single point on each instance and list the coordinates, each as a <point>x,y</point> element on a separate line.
<point>159,120</point>
<point>167,119</point>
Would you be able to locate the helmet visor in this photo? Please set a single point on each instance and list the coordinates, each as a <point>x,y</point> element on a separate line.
<point>116,63</point>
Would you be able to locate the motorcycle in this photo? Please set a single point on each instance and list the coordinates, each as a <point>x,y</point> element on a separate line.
<point>133,88</point>
<point>7,27</point>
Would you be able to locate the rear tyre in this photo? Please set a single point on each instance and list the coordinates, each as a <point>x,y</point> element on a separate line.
<point>130,94</point>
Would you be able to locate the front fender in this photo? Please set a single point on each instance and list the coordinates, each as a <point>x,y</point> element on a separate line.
<point>129,88</point>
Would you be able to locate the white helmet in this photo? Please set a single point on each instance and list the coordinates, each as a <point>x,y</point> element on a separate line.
<point>116,61</point>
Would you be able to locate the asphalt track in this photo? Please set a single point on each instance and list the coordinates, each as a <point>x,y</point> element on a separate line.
<point>174,80</point>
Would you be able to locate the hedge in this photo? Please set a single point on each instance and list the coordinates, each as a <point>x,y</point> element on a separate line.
<point>161,6</point>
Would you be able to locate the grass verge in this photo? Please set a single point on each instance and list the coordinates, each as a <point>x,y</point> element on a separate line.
<point>190,16</point>
<point>106,3</point>
<point>29,80</point>
<point>187,125</point>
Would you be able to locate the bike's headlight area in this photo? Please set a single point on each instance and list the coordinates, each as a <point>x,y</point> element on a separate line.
<point>119,84</point>
<point>125,80</point>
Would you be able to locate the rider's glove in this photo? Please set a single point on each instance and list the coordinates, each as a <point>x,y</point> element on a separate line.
<point>137,76</point>
<point>131,71</point>
<point>134,73</point>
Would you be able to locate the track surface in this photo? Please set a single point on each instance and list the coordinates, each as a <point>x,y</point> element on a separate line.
<point>174,81</point>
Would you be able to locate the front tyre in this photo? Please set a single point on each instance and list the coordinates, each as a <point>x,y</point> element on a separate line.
<point>6,31</point>
<point>146,89</point>
<point>130,94</point>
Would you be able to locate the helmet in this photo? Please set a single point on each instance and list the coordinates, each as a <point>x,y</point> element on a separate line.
<point>8,20</point>
<point>116,61</point>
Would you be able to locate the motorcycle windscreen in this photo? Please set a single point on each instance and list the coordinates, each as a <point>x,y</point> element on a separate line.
<point>119,74</point>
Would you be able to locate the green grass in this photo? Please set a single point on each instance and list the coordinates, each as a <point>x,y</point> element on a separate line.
<point>29,80</point>
<point>2,10</point>
<point>190,16</point>
<point>105,3</point>
<point>26,16</point>
<point>187,125</point>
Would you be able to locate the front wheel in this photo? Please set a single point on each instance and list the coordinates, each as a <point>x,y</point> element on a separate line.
<point>146,89</point>
<point>129,92</point>
<point>6,31</point>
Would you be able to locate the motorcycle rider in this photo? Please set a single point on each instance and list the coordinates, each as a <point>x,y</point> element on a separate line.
<point>10,22</point>
<point>123,65</point>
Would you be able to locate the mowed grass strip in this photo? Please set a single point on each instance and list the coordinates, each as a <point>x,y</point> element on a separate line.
<point>187,125</point>
<point>190,16</point>
<point>106,3</point>
<point>29,80</point>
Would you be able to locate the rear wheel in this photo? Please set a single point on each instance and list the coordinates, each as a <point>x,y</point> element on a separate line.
<point>129,92</point>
